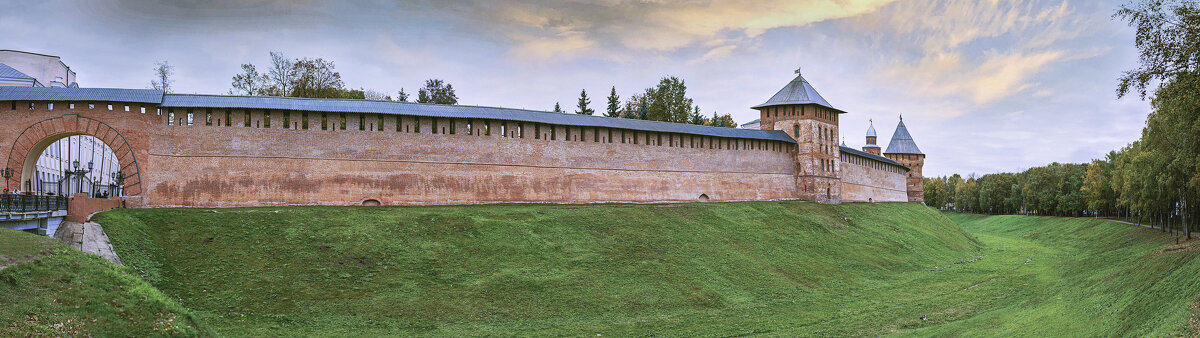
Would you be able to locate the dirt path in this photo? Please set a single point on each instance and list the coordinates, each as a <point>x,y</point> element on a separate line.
<point>1148,226</point>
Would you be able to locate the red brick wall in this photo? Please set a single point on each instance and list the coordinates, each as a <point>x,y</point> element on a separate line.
<point>215,165</point>
<point>80,206</point>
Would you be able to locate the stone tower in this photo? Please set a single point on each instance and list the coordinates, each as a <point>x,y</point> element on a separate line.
<point>871,147</point>
<point>802,113</point>
<point>902,149</point>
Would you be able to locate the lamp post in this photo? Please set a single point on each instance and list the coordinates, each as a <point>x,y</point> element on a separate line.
<point>8,174</point>
<point>118,183</point>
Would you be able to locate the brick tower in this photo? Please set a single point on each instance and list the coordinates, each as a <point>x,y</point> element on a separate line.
<point>902,149</point>
<point>802,113</point>
<point>871,147</point>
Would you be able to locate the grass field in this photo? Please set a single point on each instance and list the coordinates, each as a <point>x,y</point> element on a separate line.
<point>49,289</point>
<point>707,269</point>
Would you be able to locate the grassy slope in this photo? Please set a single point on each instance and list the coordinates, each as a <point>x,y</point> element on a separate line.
<point>50,289</point>
<point>780,268</point>
<point>711,269</point>
<point>1087,277</point>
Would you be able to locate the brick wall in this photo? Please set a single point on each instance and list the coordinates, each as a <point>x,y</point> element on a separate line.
<point>201,165</point>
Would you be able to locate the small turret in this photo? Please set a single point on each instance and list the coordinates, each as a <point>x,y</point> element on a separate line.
<point>871,147</point>
<point>902,149</point>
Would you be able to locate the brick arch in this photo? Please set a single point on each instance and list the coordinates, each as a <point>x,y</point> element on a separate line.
<point>33,141</point>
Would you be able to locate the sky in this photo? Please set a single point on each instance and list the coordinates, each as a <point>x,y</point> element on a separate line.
<point>983,86</point>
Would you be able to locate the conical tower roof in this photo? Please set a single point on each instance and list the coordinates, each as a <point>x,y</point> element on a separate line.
<point>799,91</point>
<point>902,142</point>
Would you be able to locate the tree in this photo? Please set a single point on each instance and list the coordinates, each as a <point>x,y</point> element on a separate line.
<point>697,118</point>
<point>557,108</point>
<point>402,96</point>
<point>437,91</point>
<point>583,104</point>
<point>162,76</point>
<point>668,101</point>
<point>281,75</point>
<point>374,95</point>
<point>1168,42</point>
<point>316,78</point>
<point>250,82</point>
<point>614,104</point>
<point>633,107</point>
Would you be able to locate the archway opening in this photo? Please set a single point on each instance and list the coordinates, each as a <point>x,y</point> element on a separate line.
<point>371,202</point>
<point>71,163</point>
<point>703,198</point>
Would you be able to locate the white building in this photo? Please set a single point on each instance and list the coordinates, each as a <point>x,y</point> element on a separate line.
<point>18,68</point>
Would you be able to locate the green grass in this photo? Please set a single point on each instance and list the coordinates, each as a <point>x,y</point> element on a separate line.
<point>49,289</point>
<point>708,269</point>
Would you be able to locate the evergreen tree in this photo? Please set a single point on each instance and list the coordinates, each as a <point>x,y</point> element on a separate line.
<point>584,101</point>
<point>437,92</point>
<point>402,96</point>
<point>614,104</point>
<point>557,108</point>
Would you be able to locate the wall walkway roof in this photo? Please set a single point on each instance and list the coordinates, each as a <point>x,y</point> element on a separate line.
<point>376,107</point>
<point>859,153</point>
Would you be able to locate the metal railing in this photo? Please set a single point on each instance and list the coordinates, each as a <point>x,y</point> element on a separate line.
<point>26,203</point>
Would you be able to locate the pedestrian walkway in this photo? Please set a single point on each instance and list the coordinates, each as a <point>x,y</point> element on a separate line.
<point>88,237</point>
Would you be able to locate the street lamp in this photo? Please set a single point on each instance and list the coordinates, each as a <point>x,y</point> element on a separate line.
<point>7,173</point>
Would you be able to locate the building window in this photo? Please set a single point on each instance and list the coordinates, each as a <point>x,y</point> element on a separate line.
<point>342,124</point>
<point>170,118</point>
<point>470,127</point>
<point>797,131</point>
<point>379,123</point>
<point>246,120</point>
<point>228,117</point>
<point>416,124</point>
<point>190,117</point>
<point>362,121</point>
<point>110,107</point>
<point>126,108</point>
<point>91,105</point>
<point>537,131</point>
<point>304,120</point>
<point>208,116</point>
<point>31,106</point>
<point>399,121</point>
<point>266,119</point>
<point>70,105</point>
<point>487,128</point>
<point>158,111</point>
<point>50,106</point>
<point>287,119</point>
<point>521,129</point>
<point>324,121</point>
<point>143,109</point>
<point>14,105</point>
<point>434,128</point>
<point>452,126</point>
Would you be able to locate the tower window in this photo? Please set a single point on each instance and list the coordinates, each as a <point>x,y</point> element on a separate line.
<point>797,131</point>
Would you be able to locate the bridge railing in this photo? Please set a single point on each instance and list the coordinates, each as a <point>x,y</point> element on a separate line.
<point>27,203</point>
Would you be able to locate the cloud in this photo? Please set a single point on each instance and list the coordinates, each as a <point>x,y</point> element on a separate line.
<point>654,26</point>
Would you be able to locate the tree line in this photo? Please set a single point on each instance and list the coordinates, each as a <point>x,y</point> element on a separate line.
<point>667,102</point>
<point>318,78</point>
<point>1155,179</point>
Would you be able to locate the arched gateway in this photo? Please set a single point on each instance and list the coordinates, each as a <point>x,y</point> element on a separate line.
<point>33,140</point>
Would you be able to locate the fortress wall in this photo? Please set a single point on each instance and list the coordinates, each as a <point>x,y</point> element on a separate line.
<point>202,165</point>
<point>218,165</point>
<point>867,180</point>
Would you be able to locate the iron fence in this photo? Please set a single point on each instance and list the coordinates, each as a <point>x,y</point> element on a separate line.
<point>24,203</point>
